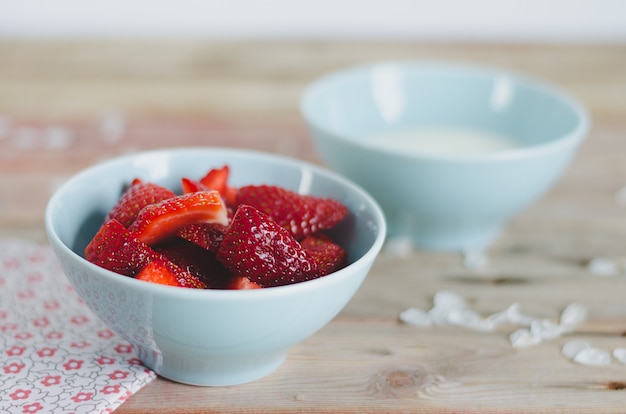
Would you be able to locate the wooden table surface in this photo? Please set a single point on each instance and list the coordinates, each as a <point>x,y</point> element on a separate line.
<point>66,105</point>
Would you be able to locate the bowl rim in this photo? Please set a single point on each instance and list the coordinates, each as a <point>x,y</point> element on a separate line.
<point>227,294</point>
<point>571,139</point>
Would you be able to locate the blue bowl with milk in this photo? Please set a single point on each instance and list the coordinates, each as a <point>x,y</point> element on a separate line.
<point>451,152</point>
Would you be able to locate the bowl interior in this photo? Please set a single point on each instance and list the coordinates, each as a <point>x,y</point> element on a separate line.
<point>77,210</point>
<point>360,102</point>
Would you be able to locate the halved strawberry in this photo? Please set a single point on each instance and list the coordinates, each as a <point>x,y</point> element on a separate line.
<point>300,214</point>
<point>135,198</point>
<point>167,273</point>
<point>158,272</point>
<point>329,256</point>
<point>209,236</point>
<point>159,221</point>
<point>192,186</point>
<point>217,179</point>
<point>200,262</point>
<point>115,249</point>
<point>256,247</point>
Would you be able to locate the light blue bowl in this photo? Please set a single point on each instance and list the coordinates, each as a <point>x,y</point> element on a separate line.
<point>444,201</point>
<point>210,337</point>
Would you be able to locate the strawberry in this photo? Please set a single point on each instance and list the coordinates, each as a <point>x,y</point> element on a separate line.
<point>206,235</point>
<point>329,256</point>
<point>258,248</point>
<point>167,273</point>
<point>192,186</point>
<point>217,179</point>
<point>115,249</point>
<point>135,198</point>
<point>158,272</point>
<point>196,260</point>
<point>300,214</point>
<point>242,282</point>
<point>161,220</point>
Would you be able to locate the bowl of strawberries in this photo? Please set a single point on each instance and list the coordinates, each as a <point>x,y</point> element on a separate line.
<point>213,262</point>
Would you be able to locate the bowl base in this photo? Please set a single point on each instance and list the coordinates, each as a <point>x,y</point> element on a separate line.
<point>195,370</point>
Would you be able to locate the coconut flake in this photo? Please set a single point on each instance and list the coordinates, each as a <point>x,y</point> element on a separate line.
<point>574,347</point>
<point>573,314</point>
<point>400,247</point>
<point>469,319</point>
<point>523,338</point>
<point>415,317</point>
<point>601,266</point>
<point>513,315</point>
<point>446,299</point>
<point>593,356</point>
<point>475,259</point>
<point>546,329</point>
<point>620,354</point>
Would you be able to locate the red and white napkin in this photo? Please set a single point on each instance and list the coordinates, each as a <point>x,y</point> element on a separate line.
<point>55,355</point>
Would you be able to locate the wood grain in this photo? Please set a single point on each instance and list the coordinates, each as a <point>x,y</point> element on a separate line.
<point>66,105</point>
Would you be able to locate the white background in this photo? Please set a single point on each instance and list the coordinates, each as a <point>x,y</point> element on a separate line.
<point>435,20</point>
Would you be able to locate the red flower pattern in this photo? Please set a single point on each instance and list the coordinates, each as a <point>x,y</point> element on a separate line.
<point>105,360</point>
<point>13,368</point>
<point>20,394</point>
<point>106,334</point>
<point>82,396</point>
<point>15,350</point>
<point>32,408</point>
<point>51,380</point>
<point>111,389</point>
<point>51,305</point>
<point>42,322</point>
<point>79,320</point>
<point>23,336</point>
<point>118,374</point>
<point>46,352</point>
<point>123,348</point>
<point>54,335</point>
<point>73,364</point>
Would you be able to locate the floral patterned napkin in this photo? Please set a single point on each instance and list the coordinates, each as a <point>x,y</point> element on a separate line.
<point>55,355</point>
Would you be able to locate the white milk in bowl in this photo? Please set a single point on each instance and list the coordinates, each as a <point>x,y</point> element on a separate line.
<point>443,141</point>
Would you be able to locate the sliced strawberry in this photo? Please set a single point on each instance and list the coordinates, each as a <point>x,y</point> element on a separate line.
<point>300,214</point>
<point>167,273</point>
<point>198,261</point>
<point>158,272</point>
<point>159,221</point>
<point>115,249</point>
<point>256,247</point>
<point>192,186</point>
<point>329,256</point>
<point>242,283</point>
<point>209,236</point>
<point>217,179</point>
<point>135,198</point>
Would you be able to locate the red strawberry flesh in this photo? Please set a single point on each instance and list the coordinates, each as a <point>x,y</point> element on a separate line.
<point>167,273</point>
<point>159,221</point>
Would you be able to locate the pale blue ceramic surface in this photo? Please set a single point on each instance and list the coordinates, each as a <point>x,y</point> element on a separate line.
<point>448,201</point>
<point>210,337</point>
